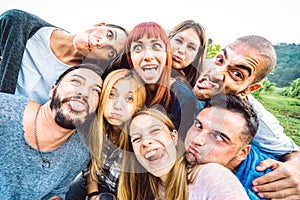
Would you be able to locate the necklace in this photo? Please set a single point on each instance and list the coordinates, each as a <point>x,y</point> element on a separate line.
<point>46,163</point>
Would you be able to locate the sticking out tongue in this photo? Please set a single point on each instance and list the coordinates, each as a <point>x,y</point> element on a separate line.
<point>150,73</point>
<point>154,155</point>
<point>77,106</point>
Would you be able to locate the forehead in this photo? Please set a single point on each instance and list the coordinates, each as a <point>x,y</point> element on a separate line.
<point>222,120</point>
<point>144,122</point>
<point>125,85</point>
<point>87,74</point>
<point>189,34</point>
<point>241,54</point>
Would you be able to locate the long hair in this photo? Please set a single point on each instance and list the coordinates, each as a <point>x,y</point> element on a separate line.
<point>136,183</point>
<point>100,126</point>
<point>192,71</point>
<point>161,95</point>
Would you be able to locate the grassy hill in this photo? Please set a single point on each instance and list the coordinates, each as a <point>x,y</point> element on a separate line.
<point>287,111</point>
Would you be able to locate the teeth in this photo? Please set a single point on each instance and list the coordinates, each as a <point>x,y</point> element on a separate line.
<point>150,68</point>
<point>150,154</point>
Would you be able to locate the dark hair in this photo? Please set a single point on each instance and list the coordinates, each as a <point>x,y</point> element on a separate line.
<point>192,71</point>
<point>94,67</point>
<point>234,103</point>
<point>117,26</point>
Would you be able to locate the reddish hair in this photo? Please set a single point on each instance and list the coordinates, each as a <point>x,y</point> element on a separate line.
<point>162,94</point>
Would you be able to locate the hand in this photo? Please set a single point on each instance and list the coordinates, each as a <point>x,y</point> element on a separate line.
<point>282,183</point>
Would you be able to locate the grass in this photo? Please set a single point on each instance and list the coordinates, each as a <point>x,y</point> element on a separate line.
<point>287,111</point>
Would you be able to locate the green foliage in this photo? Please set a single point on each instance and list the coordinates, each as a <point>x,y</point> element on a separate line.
<point>287,67</point>
<point>212,50</point>
<point>293,90</point>
<point>287,111</point>
<point>267,88</point>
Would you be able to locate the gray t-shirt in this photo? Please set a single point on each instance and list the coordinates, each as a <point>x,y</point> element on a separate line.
<point>21,173</point>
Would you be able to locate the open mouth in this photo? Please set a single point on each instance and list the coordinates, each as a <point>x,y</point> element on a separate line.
<point>206,84</point>
<point>76,105</point>
<point>150,72</point>
<point>153,155</point>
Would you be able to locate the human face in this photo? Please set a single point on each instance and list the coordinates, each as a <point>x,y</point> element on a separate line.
<point>232,71</point>
<point>185,46</point>
<point>120,106</point>
<point>153,144</point>
<point>215,137</point>
<point>75,97</point>
<point>100,43</point>
<point>149,57</point>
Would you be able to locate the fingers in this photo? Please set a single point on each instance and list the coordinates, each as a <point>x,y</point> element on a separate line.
<point>269,163</point>
<point>272,176</point>
<point>287,194</point>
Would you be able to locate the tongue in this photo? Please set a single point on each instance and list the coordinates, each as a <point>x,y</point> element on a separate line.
<point>158,155</point>
<point>77,106</point>
<point>150,73</point>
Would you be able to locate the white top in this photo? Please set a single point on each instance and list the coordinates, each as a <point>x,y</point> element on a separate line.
<point>215,182</point>
<point>39,68</point>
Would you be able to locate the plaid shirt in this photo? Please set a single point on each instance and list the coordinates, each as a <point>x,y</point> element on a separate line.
<point>109,178</point>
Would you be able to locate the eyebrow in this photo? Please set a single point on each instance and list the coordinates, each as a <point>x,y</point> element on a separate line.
<point>223,135</point>
<point>215,131</point>
<point>82,77</point>
<point>248,69</point>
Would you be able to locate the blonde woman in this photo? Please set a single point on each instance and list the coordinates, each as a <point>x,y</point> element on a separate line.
<point>154,166</point>
<point>123,93</point>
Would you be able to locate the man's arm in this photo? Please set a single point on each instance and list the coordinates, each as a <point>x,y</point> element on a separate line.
<point>283,182</point>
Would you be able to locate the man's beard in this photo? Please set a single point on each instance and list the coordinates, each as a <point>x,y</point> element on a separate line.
<point>60,118</point>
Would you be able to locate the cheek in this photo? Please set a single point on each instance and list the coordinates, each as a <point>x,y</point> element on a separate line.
<point>162,58</point>
<point>135,58</point>
<point>130,110</point>
<point>190,57</point>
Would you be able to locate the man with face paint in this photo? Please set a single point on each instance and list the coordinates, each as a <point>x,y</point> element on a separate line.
<point>42,146</point>
<point>238,69</point>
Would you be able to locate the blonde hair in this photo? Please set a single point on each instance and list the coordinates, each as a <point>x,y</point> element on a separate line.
<point>136,183</point>
<point>98,132</point>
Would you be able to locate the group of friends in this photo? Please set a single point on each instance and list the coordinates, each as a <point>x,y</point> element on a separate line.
<point>112,114</point>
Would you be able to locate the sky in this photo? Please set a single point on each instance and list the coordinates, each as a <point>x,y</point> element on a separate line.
<point>223,20</point>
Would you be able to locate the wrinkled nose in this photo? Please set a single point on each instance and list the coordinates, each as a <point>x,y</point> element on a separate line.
<point>199,139</point>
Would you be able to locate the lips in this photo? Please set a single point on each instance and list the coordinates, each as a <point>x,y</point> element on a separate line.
<point>177,58</point>
<point>206,84</point>
<point>150,71</point>
<point>77,105</point>
<point>154,155</point>
<point>116,115</point>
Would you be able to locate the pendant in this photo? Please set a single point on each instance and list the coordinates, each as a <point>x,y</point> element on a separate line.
<point>46,163</point>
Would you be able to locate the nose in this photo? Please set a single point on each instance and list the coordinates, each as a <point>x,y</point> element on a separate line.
<point>181,49</point>
<point>82,91</point>
<point>147,140</point>
<point>148,56</point>
<point>199,139</point>
<point>215,72</point>
<point>118,105</point>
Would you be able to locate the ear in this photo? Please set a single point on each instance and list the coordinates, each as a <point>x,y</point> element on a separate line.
<point>100,24</point>
<point>243,153</point>
<point>251,89</point>
<point>174,135</point>
<point>52,90</point>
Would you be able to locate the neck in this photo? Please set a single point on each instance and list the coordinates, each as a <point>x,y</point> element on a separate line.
<point>61,44</point>
<point>50,134</point>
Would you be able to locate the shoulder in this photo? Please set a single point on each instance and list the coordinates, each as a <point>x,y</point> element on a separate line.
<point>217,182</point>
<point>10,102</point>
